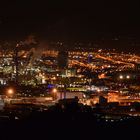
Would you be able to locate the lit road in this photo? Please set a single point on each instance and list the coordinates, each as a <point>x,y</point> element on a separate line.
<point>115,61</point>
<point>47,101</point>
<point>89,66</point>
<point>125,60</point>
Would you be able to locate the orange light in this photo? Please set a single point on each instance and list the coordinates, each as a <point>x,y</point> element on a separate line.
<point>54,90</point>
<point>10,91</point>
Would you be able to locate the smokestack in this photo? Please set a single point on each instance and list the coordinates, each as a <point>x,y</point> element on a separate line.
<point>16,63</point>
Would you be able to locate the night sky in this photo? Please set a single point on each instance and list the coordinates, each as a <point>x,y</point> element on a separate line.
<point>69,20</point>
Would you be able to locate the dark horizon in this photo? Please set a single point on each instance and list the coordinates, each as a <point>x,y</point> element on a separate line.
<point>69,21</point>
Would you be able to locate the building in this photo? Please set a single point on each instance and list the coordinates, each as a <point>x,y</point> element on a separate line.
<point>62,59</point>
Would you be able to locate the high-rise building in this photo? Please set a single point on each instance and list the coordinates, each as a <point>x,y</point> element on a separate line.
<point>62,59</point>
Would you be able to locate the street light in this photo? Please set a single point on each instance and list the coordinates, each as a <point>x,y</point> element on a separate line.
<point>54,91</point>
<point>98,90</point>
<point>121,76</point>
<point>10,92</point>
<point>128,76</point>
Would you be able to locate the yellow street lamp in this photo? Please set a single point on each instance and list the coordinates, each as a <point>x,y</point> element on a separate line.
<point>54,91</point>
<point>10,92</point>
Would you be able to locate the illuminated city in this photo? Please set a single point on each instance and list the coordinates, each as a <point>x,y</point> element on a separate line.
<point>69,70</point>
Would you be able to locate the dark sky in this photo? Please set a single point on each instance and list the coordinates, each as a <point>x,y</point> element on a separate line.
<point>69,20</point>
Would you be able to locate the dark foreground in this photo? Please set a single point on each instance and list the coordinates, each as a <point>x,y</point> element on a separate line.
<point>52,124</point>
